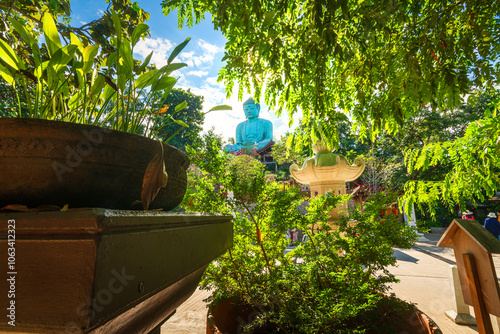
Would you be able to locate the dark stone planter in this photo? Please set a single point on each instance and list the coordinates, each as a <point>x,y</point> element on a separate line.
<point>57,163</point>
<point>106,271</point>
<point>230,316</point>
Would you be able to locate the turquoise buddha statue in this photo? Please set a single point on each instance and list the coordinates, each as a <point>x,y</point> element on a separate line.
<point>254,133</point>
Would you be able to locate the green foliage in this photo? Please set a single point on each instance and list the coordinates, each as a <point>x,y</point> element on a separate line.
<point>284,151</point>
<point>376,175</point>
<point>282,175</point>
<point>246,167</point>
<point>82,84</point>
<point>379,61</point>
<point>98,32</point>
<point>475,161</point>
<point>425,225</point>
<point>425,127</point>
<point>8,100</point>
<point>328,284</point>
<point>192,115</point>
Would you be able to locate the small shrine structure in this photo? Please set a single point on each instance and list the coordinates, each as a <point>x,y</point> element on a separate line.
<point>265,153</point>
<point>359,195</point>
<point>326,172</point>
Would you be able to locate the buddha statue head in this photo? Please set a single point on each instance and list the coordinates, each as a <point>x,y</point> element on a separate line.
<point>251,109</point>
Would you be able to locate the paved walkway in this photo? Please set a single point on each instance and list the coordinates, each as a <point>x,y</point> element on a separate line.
<point>190,317</point>
<point>424,274</point>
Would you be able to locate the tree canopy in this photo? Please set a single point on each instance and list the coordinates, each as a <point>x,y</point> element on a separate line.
<point>191,115</point>
<point>380,62</point>
<point>474,160</point>
<point>284,153</point>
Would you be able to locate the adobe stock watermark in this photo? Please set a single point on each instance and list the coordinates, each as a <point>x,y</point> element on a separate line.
<point>93,306</point>
<point>11,272</point>
<point>75,155</point>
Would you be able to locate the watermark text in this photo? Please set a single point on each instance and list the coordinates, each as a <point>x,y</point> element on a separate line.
<point>11,271</point>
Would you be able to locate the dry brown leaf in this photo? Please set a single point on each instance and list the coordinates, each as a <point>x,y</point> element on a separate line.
<point>15,207</point>
<point>162,110</point>
<point>155,178</point>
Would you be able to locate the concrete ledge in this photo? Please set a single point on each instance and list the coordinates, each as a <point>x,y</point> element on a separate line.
<point>461,318</point>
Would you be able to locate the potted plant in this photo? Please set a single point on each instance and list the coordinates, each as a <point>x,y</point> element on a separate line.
<point>82,132</point>
<point>81,136</point>
<point>333,282</point>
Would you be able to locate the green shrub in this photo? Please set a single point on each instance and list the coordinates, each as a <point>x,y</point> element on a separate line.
<point>327,284</point>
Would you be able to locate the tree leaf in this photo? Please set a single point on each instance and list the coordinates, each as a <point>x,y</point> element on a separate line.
<point>180,106</point>
<point>7,75</point>
<point>118,27</point>
<point>177,50</point>
<point>175,66</point>
<point>167,90</point>
<point>164,83</point>
<point>76,41</point>
<point>155,178</point>
<point>111,59</point>
<point>146,62</point>
<point>126,53</point>
<point>98,86</point>
<point>138,31</point>
<point>21,30</point>
<point>89,54</point>
<point>15,207</point>
<point>122,79</point>
<point>182,123</point>
<point>221,107</point>
<point>110,89</point>
<point>162,110</point>
<point>62,57</point>
<point>8,55</point>
<point>146,79</point>
<point>51,35</point>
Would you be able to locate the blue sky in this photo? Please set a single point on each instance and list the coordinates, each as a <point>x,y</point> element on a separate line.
<point>203,55</point>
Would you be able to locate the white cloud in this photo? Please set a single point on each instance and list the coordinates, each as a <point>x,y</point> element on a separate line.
<point>198,73</point>
<point>208,52</point>
<point>187,55</point>
<point>224,122</point>
<point>212,96</point>
<point>280,125</point>
<point>182,81</point>
<point>196,60</point>
<point>161,48</point>
<point>213,81</point>
<point>209,48</point>
<point>100,12</point>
